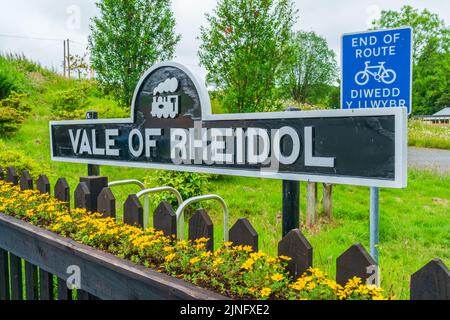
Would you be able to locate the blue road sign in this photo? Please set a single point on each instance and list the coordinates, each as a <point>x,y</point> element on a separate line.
<point>377,69</point>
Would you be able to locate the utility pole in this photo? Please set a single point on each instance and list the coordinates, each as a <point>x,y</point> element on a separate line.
<point>64,63</point>
<point>68,57</point>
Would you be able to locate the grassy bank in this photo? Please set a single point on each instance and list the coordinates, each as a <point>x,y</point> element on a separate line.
<point>425,135</point>
<point>414,226</point>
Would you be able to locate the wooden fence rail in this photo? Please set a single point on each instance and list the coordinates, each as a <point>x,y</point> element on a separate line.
<point>35,267</point>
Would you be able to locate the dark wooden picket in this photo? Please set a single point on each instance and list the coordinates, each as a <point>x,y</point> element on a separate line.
<point>106,203</point>
<point>2,174</point>
<point>243,233</point>
<point>355,262</point>
<point>95,185</point>
<point>82,197</point>
<point>46,286</point>
<point>62,191</point>
<point>432,282</point>
<point>12,176</point>
<point>165,219</point>
<point>133,213</point>
<point>64,293</point>
<point>298,248</point>
<point>201,226</point>
<point>15,268</point>
<point>43,184</point>
<point>4,275</point>
<point>26,181</point>
<point>31,281</point>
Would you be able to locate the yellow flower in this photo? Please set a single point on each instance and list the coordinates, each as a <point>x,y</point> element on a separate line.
<point>228,244</point>
<point>271,260</point>
<point>168,249</point>
<point>311,286</point>
<point>257,255</point>
<point>285,258</point>
<point>248,265</point>
<point>217,261</point>
<point>194,260</point>
<point>265,292</point>
<point>277,277</point>
<point>170,257</point>
<point>206,254</point>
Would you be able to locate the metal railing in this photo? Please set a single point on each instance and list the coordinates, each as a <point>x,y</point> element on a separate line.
<point>180,214</point>
<point>146,192</point>
<point>139,184</point>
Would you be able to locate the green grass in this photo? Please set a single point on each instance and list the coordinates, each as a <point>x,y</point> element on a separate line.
<point>414,225</point>
<point>426,135</point>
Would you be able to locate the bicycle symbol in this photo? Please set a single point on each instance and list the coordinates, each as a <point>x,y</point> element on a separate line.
<point>379,73</point>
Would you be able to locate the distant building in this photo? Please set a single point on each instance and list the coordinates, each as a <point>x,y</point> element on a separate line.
<point>441,117</point>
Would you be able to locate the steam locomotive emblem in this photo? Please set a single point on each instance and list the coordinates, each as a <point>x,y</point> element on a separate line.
<point>165,104</point>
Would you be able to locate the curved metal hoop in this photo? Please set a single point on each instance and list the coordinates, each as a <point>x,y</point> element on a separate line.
<point>141,185</point>
<point>180,214</point>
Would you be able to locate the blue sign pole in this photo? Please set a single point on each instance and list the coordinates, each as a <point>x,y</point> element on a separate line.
<point>377,73</point>
<point>374,222</point>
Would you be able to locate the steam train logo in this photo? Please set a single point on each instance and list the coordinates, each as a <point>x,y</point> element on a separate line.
<point>165,104</point>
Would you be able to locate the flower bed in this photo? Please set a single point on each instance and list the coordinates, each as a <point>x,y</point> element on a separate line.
<point>234,271</point>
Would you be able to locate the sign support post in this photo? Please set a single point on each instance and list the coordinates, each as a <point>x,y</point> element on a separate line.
<point>291,206</point>
<point>93,170</point>
<point>291,200</point>
<point>374,220</point>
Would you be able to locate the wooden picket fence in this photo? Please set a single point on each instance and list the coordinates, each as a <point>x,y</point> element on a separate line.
<point>432,282</point>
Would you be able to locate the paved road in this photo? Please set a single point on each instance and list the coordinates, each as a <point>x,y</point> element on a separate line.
<point>433,159</point>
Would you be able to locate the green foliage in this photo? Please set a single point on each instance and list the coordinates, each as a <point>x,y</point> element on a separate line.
<point>25,65</point>
<point>68,101</point>
<point>426,135</point>
<point>431,89</point>
<point>11,79</point>
<point>187,183</point>
<point>13,112</point>
<point>20,161</point>
<point>127,38</point>
<point>244,48</point>
<point>313,68</point>
<point>427,26</point>
<point>73,103</point>
<point>431,56</point>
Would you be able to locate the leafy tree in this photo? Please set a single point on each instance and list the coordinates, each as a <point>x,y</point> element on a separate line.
<point>431,84</point>
<point>431,91</point>
<point>79,64</point>
<point>313,68</point>
<point>244,48</point>
<point>426,26</point>
<point>127,38</point>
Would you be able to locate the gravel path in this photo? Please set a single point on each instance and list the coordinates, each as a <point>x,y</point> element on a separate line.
<point>433,159</point>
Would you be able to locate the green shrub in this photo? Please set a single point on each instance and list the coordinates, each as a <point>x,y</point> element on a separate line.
<point>86,95</point>
<point>20,161</point>
<point>65,102</point>
<point>187,183</point>
<point>11,79</point>
<point>13,112</point>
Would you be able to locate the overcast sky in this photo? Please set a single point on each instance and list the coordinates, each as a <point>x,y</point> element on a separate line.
<point>62,19</point>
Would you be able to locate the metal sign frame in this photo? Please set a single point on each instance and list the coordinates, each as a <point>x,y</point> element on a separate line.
<point>377,31</point>
<point>400,180</point>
